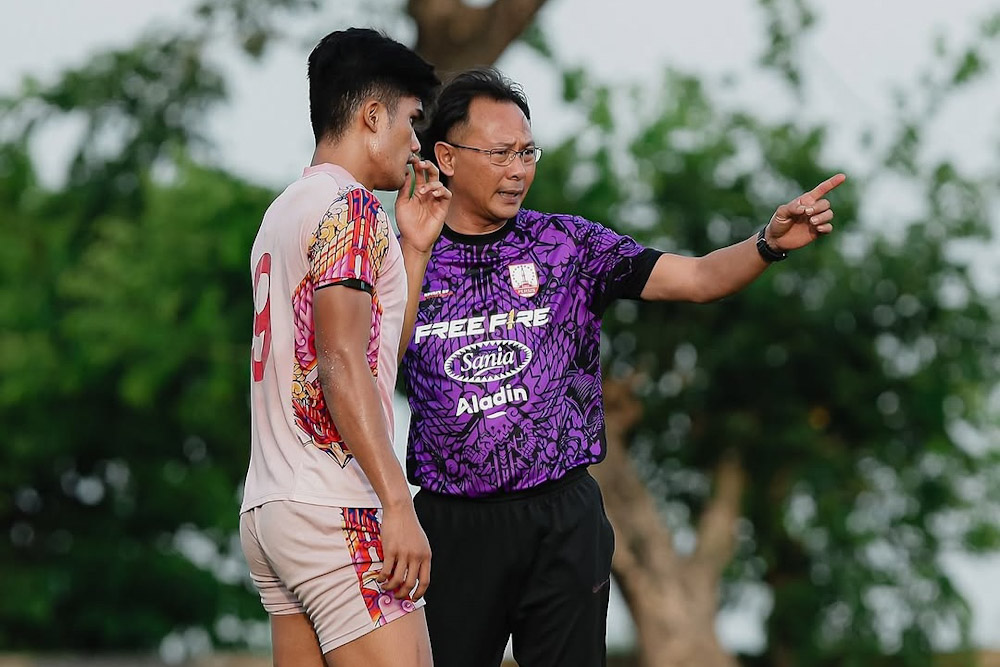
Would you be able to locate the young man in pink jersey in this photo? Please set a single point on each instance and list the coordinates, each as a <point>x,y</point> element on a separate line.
<point>327,524</point>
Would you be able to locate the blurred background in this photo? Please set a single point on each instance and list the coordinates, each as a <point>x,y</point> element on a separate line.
<point>807,473</point>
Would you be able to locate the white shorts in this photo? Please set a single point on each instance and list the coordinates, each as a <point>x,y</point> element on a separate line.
<point>321,561</point>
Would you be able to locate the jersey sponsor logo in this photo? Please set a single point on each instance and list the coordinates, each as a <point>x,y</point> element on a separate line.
<point>524,278</point>
<point>436,294</point>
<point>473,404</point>
<point>487,361</point>
<point>478,326</point>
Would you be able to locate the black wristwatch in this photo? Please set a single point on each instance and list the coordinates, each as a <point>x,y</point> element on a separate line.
<point>767,253</point>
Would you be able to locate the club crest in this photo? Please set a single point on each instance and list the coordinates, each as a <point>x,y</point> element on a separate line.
<point>524,278</point>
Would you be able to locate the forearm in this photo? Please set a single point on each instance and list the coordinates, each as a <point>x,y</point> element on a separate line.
<point>704,279</point>
<point>728,270</point>
<point>415,263</point>
<point>356,408</point>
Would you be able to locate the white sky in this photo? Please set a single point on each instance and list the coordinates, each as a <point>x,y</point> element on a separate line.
<point>860,52</point>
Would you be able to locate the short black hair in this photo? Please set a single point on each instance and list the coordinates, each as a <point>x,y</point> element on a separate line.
<point>454,100</point>
<point>349,66</point>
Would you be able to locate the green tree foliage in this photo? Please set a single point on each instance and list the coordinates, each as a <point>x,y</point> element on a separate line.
<point>851,380</point>
<point>123,348</point>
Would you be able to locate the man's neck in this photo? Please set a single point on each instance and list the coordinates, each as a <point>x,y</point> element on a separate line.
<point>462,220</point>
<point>347,156</point>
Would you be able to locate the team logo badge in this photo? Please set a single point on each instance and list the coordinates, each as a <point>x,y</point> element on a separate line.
<point>524,278</point>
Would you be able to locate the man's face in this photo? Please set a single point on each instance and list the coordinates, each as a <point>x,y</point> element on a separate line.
<point>396,141</point>
<point>490,191</point>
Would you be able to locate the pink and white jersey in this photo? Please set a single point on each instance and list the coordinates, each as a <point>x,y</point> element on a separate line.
<point>325,229</point>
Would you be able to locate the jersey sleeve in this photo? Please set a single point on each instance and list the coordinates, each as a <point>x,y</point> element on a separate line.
<point>618,264</point>
<point>350,243</point>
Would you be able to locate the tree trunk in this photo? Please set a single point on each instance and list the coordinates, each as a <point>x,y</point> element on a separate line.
<point>454,36</point>
<point>673,598</point>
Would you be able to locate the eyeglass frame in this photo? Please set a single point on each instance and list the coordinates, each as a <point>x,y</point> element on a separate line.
<point>514,154</point>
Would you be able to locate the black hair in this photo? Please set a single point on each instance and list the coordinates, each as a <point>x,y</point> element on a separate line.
<point>452,106</point>
<point>349,66</point>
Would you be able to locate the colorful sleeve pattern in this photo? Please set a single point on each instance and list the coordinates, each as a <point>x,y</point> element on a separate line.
<point>347,248</point>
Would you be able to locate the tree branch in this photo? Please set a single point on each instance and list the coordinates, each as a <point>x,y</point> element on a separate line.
<point>717,524</point>
<point>454,36</point>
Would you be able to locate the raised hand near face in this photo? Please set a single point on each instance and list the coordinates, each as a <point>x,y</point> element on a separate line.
<point>421,206</point>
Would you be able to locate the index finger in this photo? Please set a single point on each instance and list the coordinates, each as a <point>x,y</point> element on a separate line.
<point>829,184</point>
<point>430,171</point>
<point>388,565</point>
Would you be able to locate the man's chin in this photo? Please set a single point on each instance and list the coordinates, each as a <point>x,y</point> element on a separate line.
<point>507,210</point>
<point>389,184</point>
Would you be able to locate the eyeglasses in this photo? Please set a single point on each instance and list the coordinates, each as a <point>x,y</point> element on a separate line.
<point>502,157</point>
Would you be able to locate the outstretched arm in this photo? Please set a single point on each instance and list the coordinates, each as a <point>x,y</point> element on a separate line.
<point>727,270</point>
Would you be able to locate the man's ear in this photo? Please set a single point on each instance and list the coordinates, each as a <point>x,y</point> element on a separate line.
<point>445,155</point>
<point>371,112</point>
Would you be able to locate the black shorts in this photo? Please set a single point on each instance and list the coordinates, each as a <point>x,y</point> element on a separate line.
<point>534,565</point>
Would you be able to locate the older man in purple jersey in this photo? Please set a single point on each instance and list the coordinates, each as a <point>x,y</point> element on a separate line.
<point>505,387</point>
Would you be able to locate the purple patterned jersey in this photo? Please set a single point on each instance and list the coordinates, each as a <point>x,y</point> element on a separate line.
<point>503,369</point>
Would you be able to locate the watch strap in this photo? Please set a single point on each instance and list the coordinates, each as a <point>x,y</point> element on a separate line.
<point>767,253</point>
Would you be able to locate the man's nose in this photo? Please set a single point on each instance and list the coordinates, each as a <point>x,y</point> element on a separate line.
<point>516,168</point>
